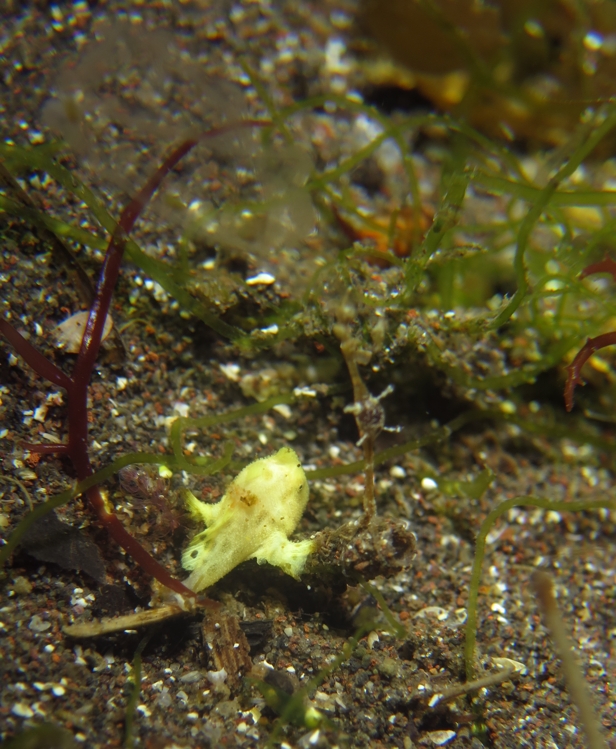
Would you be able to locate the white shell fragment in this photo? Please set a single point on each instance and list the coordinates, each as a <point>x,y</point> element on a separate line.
<point>254,519</point>
<point>517,666</point>
<point>217,678</point>
<point>439,738</point>
<point>231,371</point>
<point>261,279</point>
<point>433,611</point>
<point>70,332</point>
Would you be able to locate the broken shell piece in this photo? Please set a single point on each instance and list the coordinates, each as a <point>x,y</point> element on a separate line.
<point>217,678</point>
<point>261,279</point>
<point>70,332</point>
<point>516,666</point>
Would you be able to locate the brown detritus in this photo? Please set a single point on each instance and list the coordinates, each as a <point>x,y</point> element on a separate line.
<point>227,647</point>
<point>384,546</point>
<point>398,235</point>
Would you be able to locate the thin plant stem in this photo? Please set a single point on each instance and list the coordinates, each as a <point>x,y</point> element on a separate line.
<point>576,683</point>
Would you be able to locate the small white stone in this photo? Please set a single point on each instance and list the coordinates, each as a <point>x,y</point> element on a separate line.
<point>231,371</point>
<point>191,677</point>
<point>439,738</point>
<point>270,330</point>
<point>181,409</point>
<point>397,472</point>
<point>261,279</point>
<point>40,414</point>
<point>508,407</point>
<point>217,677</point>
<point>38,709</point>
<point>304,391</point>
<point>21,710</point>
<point>427,483</point>
<point>284,410</point>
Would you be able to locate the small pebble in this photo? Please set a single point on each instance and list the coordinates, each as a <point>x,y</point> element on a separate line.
<point>264,279</point>
<point>388,667</point>
<point>22,586</point>
<point>191,677</point>
<point>217,678</point>
<point>439,738</point>
<point>38,625</point>
<point>21,710</point>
